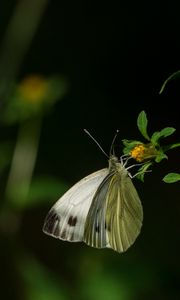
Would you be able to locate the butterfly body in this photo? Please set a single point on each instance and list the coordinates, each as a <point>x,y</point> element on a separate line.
<point>103,210</point>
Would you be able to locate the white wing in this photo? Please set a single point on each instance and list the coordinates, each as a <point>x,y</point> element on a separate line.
<point>66,219</point>
<point>96,230</point>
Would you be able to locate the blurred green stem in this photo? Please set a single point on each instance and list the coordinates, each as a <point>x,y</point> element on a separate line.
<point>23,161</point>
<point>18,36</point>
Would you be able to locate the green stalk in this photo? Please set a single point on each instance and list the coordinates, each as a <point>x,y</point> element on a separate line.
<point>23,162</point>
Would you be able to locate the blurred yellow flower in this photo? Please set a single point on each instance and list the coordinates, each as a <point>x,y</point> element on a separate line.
<point>33,88</point>
<point>33,96</point>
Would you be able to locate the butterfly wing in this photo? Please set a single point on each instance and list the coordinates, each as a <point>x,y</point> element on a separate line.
<point>95,234</point>
<point>124,213</point>
<point>66,219</point>
<point>115,217</point>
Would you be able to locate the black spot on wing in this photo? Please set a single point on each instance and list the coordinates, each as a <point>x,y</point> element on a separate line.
<point>51,223</point>
<point>72,221</point>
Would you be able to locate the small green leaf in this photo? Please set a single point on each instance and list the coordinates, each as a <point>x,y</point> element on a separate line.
<point>142,170</point>
<point>172,146</point>
<point>167,131</point>
<point>171,178</point>
<point>163,133</point>
<point>171,77</point>
<point>160,156</point>
<point>155,137</point>
<point>142,124</point>
<point>129,145</point>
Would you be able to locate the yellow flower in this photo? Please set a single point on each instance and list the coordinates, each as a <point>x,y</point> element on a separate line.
<point>138,152</point>
<point>143,152</point>
<point>33,88</point>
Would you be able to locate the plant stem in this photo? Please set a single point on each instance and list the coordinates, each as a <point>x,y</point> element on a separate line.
<point>23,162</point>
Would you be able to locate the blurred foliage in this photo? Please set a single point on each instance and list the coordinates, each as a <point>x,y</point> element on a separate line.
<point>33,96</point>
<point>27,103</point>
<point>39,283</point>
<point>6,149</point>
<point>40,191</point>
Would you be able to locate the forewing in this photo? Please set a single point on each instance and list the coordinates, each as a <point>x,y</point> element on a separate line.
<point>124,213</point>
<point>66,219</point>
<point>95,233</point>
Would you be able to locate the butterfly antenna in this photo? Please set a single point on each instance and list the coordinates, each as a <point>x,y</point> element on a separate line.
<point>112,144</point>
<point>86,131</point>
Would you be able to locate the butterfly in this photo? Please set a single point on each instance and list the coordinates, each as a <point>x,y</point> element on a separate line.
<point>103,210</point>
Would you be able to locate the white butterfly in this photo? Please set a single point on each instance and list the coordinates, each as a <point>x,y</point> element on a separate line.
<point>103,210</point>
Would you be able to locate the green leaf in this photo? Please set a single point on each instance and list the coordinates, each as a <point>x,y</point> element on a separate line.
<point>132,143</point>
<point>160,156</point>
<point>142,170</point>
<point>129,145</point>
<point>142,124</point>
<point>171,77</point>
<point>155,137</point>
<point>172,146</point>
<point>171,178</point>
<point>163,133</point>
<point>167,131</point>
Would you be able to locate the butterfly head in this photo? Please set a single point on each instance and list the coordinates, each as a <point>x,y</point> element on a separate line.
<point>116,165</point>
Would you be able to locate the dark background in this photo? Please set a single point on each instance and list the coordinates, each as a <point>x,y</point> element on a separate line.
<point>115,57</point>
